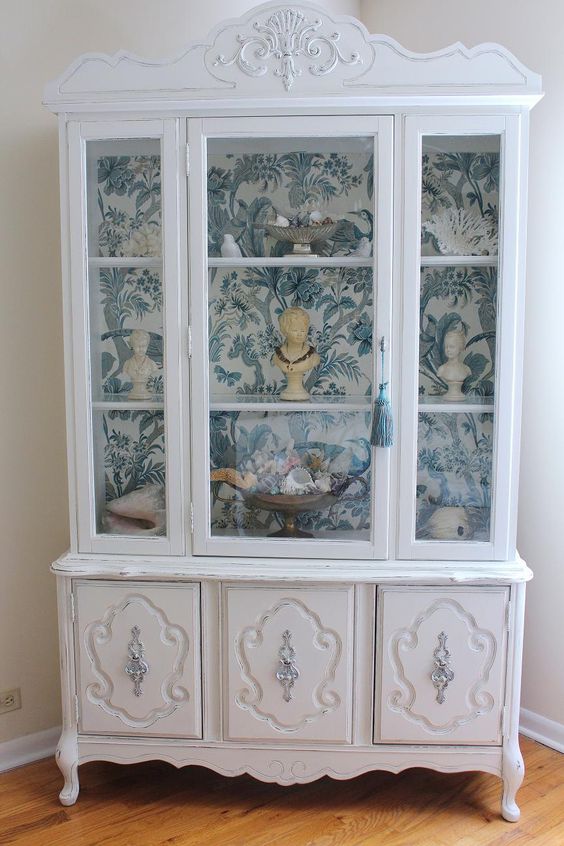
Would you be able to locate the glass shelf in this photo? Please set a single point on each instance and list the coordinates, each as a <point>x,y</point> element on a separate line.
<point>291,261</point>
<point>125,261</point>
<point>469,405</point>
<point>451,261</point>
<point>257,402</point>
<point>154,403</point>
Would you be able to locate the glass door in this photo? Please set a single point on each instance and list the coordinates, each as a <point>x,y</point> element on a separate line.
<point>123,364</point>
<point>295,251</point>
<point>462,226</point>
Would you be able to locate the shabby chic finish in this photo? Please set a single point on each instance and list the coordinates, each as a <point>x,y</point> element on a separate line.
<point>275,657</point>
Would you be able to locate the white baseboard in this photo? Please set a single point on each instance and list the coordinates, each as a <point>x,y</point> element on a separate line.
<point>30,747</point>
<point>542,729</point>
<point>42,744</point>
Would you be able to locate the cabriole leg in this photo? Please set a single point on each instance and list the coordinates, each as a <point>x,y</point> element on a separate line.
<point>67,761</point>
<point>513,773</point>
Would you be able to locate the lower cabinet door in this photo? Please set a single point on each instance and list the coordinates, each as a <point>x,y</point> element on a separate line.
<point>441,657</point>
<point>139,658</point>
<point>288,663</point>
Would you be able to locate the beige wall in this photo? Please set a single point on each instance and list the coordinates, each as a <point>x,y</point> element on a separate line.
<point>533,31</point>
<point>37,42</point>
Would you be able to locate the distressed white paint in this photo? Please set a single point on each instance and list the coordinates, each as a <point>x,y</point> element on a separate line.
<point>455,90</point>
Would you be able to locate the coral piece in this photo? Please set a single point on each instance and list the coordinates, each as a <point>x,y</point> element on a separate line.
<point>460,232</point>
<point>234,478</point>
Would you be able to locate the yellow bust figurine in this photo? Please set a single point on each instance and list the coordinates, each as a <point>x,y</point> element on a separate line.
<point>295,357</point>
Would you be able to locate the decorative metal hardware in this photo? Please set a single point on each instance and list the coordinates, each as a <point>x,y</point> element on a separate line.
<point>136,667</point>
<point>442,675</point>
<point>287,35</point>
<point>288,672</point>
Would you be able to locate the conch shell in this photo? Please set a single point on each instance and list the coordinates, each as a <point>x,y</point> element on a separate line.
<point>234,478</point>
<point>141,512</point>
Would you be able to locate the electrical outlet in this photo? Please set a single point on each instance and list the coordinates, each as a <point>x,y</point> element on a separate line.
<point>10,700</point>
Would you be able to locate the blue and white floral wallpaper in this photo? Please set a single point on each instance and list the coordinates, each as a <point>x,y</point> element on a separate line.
<point>462,299</point>
<point>243,328</point>
<point>128,208</point>
<point>246,189</point>
<point>133,450</point>
<point>238,437</point>
<point>125,299</point>
<point>460,198</point>
<point>454,473</point>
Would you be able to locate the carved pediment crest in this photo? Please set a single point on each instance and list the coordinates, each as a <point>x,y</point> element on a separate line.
<point>287,42</point>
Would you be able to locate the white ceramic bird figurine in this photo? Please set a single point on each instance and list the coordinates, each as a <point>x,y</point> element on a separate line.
<point>362,249</point>
<point>230,248</point>
<point>281,221</point>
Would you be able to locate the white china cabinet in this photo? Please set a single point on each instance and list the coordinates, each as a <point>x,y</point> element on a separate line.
<point>255,583</point>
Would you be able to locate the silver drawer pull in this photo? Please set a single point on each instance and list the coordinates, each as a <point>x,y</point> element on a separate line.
<point>442,675</point>
<point>136,667</point>
<point>287,672</point>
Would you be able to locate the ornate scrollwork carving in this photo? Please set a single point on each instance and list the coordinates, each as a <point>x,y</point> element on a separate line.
<point>288,672</point>
<point>324,699</point>
<point>478,700</point>
<point>136,667</point>
<point>285,36</point>
<point>442,675</point>
<point>101,692</point>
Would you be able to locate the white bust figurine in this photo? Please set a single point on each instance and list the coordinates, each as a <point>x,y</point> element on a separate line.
<point>454,371</point>
<point>295,357</point>
<point>139,367</point>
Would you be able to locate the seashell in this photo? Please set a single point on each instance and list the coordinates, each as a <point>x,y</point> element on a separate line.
<point>281,221</point>
<point>269,483</point>
<point>298,481</point>
<point>323,484</point>
<point>449,523</point>
<point>141,512</point>
<point>315,218</point>
<point>234,478</point>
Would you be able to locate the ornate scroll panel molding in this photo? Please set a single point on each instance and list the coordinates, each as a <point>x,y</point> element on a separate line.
<point>478,700</point>
<point>101,692</point>
<point>286,50</point>
<point>324,700</point>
